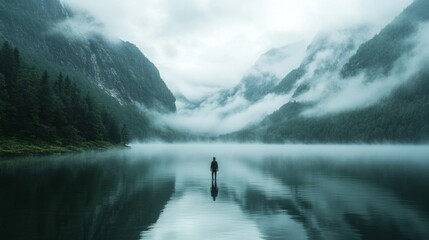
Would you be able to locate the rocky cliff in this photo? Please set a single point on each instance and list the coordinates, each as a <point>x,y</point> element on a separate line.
<point>52,34</point>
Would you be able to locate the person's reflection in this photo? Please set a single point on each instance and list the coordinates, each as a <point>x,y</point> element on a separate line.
<point>214,190</point>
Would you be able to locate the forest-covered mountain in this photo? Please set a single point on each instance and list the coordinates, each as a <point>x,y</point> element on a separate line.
<point>35,108</point>
<point>325,56</point>
<point>363,91</point>
<point>53,37</point>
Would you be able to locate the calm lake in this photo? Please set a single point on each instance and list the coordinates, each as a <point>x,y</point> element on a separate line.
<point>165,191</point>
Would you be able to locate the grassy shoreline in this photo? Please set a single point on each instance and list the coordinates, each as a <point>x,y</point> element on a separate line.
<point>15,147</point>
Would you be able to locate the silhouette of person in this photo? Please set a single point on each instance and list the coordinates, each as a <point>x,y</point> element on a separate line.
<point>214,168</point>
<point>214,190</point>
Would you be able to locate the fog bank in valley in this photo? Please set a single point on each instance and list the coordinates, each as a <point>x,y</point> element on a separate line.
<point>210,44</point>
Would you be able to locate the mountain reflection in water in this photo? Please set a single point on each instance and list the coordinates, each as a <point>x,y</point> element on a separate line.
<point>165,191</point>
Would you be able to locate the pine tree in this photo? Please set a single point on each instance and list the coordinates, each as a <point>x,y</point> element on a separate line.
<point>27,103</point>
<point>112,132</point>
<point>33,108</point>
<point>93,124</point>
<point>16,63</point>
<point>9,69</point>
<point>47,108</point>
<point>124,134</point>
<point>60,120</point>
<point>59,86</point>
<point>4,102</point>
<point>6,60</point>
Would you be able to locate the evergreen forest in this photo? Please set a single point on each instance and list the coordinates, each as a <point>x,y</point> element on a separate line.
<point>39,109</point>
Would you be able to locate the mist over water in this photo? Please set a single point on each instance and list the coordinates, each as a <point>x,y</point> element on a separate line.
<point>165,191</point>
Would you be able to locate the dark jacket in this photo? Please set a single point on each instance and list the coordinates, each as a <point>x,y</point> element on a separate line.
<point>214,166</point>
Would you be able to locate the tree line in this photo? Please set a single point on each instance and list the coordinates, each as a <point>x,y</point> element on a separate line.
<point>35,106</point>
<point>403,117</point>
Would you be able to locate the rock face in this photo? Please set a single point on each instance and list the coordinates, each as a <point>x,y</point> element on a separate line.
<point>51,34</point>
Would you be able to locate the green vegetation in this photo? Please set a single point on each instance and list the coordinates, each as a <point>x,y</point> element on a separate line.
<point>380,53</point>
<point>43,115</point>
<point>401,118</point>
<point>13,147</point>
<point>109,71</point>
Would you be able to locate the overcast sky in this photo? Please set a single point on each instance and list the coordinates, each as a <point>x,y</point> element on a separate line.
<point>201,46</point>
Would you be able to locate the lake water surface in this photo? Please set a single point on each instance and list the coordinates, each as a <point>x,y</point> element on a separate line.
<point>165,191</point>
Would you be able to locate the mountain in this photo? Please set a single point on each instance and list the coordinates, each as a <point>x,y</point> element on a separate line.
<point>328,52</point>
<point>54,37</point>
<point>380,53</point>
<point>269,69</point>
<point>53,34</point>
<point>265,74</point>
<point>373,91</point>
<point>259,80</point>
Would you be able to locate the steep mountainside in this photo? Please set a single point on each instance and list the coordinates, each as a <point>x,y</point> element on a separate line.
<point>377,93</point>
<point>380,53</point>
<point>327,53</point>
<point>260,80</point>
<point>269,69</point>
<point>53,35</point>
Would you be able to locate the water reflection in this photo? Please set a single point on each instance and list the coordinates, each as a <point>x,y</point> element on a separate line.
<point>261,192</point>
<point>214,190</point>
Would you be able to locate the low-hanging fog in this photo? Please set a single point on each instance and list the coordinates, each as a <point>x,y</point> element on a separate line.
<point>207,45</point>
<point>212,118</point>
<point>205,48</point>
<point>328,91</point>
<point>333,94</point>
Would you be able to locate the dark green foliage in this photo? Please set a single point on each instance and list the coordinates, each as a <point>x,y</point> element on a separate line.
<point>46,100</point>
<point>125,134</point>
<point>287,83</point>
<point>27,105</point>
<point>402,118</point>
<point>8,63</point>
<point>4,100</point>
<point>33,107</point>
<point>31,25</point>
<point>379,54</point>
<point>111,127</point>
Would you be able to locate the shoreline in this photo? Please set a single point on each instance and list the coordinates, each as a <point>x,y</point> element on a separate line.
<point>10,148</point>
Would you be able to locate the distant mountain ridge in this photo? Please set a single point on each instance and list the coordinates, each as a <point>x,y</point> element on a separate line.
<point>269,69</point>
<point>117,67</point>
<point>327,53</point>
<point>261,78</point>
<point>380,72</point>
<point>380,53</point>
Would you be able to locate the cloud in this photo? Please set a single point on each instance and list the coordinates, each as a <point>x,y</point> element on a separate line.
<point>176,218</point>
<point>204,46</point>
<point>212,118</point>
<point>327,89</point>
<point>279,61</point>
<point>81,26</point>
<point>213,42</point>
<point>333,94</point>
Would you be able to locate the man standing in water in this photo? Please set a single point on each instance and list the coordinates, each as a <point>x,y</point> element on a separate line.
<point>214,168</point>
